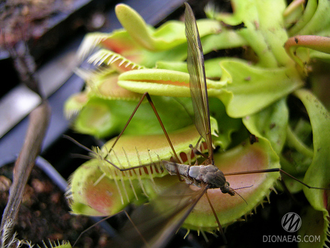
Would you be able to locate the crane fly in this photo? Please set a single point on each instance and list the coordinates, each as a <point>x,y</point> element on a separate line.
<point>159,220</point>
<point>153,224</point>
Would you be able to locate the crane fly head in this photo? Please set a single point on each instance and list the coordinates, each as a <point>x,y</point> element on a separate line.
<point>226,189</point>
<point>213,177</point>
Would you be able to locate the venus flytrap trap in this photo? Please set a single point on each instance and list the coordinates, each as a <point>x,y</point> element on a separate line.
<point>56,244</point>
<point>229,209</point>
<point>131,150</point>
<point>94,194</point>
<point>142,43</point>
<point>169,35</point>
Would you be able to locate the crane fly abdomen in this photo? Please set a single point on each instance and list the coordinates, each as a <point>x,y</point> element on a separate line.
<point>200,175</point>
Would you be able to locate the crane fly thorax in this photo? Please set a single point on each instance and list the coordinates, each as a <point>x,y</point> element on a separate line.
<point>201,174</point>
<point>208,174</point>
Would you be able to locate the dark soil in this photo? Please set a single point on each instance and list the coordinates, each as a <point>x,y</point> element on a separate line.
<point>44,213</point>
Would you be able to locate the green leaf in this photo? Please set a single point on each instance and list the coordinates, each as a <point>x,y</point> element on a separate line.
<point>293,13</point>
<point>312,228</point>
<point>212,67</point>
<point>270,123</point>
<point>251,88</point>
<point>318,20</point>
<point>306,17</point>
<point>318,174</point>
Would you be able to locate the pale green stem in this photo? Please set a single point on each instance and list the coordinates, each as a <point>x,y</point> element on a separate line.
<point>295,142</point>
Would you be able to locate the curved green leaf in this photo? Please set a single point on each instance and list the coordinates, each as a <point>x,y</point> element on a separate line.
<point>318,174</point>
<point>251,88</point>
<point>270,123</point>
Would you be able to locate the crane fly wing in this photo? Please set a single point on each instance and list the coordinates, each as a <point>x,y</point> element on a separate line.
<point>198,87</point>
<point>156,222</point>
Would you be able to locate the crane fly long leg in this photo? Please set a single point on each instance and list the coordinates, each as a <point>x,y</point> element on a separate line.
<point>113,164</point>
<point>216,218</point>
<point>146,95</point>
<point>198,87</point>
<point>273,170</point>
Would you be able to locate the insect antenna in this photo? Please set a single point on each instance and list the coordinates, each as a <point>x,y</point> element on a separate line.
<point>82,156</point>
<point>78,144</point>
<point>235,190</point>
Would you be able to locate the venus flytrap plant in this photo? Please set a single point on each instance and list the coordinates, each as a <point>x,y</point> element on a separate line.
<point>277,142</point>
<point>209,224</point>
<point>167,42</point>
<point>253,95</point>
